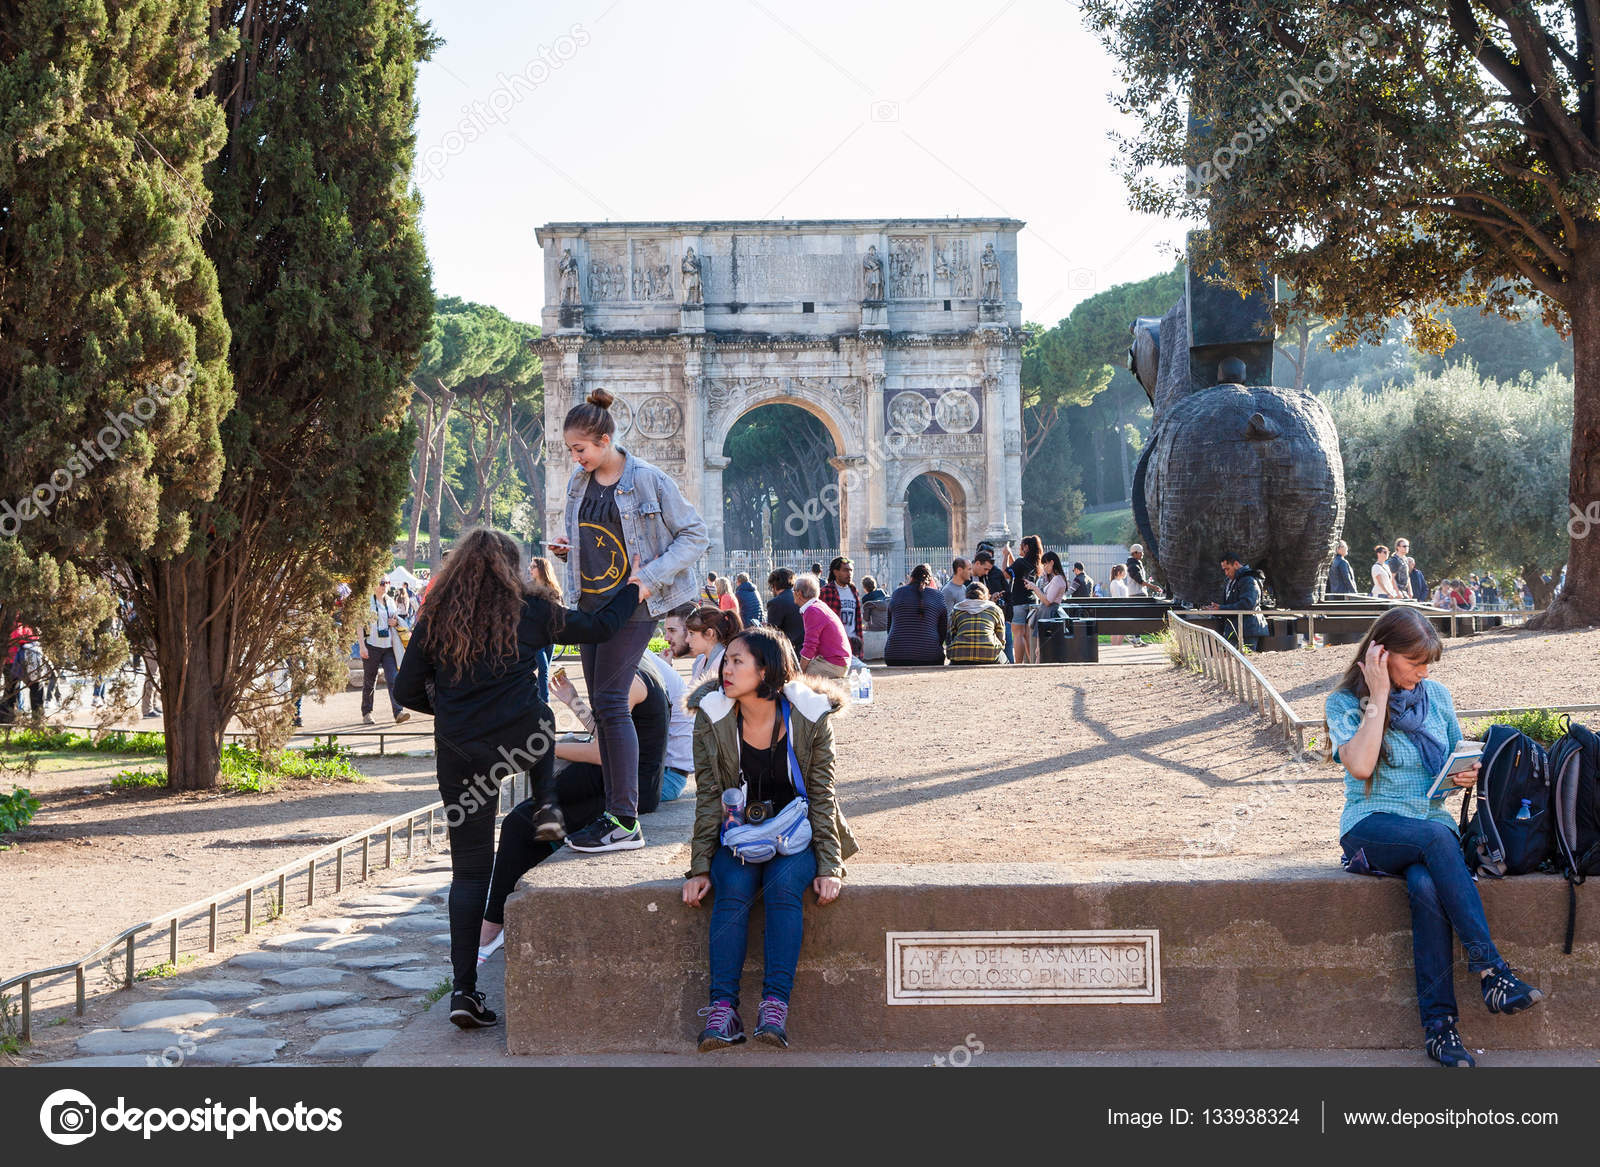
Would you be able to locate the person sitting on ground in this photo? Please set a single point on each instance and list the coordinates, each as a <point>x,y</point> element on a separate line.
<point>580,787</point>
<point>749,602</point>
<point>708,590</point>
<point>675,631</point>
<point>977,629</point>
<point>754,731</point>
<point>783,613</point>
<point>1241,592</point>
<point>874,619</point>
<point>826,650</point>
<point>1390,827</point>
<point>918,622</point>
<point>709,631</point>
<point>471,666</point>
<point>956,590</point>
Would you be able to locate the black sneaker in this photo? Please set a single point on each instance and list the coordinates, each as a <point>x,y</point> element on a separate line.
<point>607,834</point>
<point>723,1027</point>
<point>773,1016</point>
<point>549,825</point>
<point>1444,1046</point>
<point>1505,992</point>
<point>468,1011</point>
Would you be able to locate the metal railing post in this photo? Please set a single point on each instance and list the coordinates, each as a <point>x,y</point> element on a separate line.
<point>211,939</point>
<point>249,911</point>
<point>27,1011</point>
<point>172,942</point>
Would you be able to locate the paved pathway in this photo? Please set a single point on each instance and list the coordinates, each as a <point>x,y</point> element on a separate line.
<point>324,988</point>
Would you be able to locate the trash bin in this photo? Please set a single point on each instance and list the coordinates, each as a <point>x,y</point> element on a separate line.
<point>1085,647</point>
<point>1054,646</point>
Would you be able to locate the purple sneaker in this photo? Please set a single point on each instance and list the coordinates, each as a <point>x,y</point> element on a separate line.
<point>723,1027</point>
<point>773,1016</point>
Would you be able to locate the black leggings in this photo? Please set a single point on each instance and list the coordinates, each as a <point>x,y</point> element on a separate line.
<point>581,791</point>
<point>469,786</point>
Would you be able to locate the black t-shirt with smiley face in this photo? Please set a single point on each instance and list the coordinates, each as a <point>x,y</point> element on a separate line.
<point>603,563</point>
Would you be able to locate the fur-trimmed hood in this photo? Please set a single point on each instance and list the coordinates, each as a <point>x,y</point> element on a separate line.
<point>811,697</point>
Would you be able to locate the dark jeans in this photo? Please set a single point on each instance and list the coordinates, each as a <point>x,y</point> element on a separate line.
<point>608,671</point>
<point>378,658</point>
<point>1427,855</point>
<point>735,886</point>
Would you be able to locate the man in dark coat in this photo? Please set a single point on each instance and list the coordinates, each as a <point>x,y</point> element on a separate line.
<point>782,612</point>
<point>1341,577</point>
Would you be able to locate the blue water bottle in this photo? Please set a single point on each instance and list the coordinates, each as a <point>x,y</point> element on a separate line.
<point>1524,812</point>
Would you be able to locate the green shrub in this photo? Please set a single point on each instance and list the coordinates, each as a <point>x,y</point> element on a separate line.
<point>330,749</point>
<point>1542,725</point>
<point>17,809</point>
<point>139,780</point>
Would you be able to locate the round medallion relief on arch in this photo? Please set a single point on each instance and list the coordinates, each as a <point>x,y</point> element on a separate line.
<point>658,417</point>
<point>622,414</point>
<point>956,411</point>
<point>909,413</point>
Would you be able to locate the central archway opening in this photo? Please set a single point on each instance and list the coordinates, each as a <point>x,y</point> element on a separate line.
<point>935,518</point>
<point>780,490</point>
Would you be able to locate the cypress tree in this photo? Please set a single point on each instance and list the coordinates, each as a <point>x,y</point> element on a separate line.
<point>325,285</point>
<point>113,346</point>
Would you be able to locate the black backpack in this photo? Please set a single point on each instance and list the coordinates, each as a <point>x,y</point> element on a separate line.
<point>1575,800</point>
<point>1498,841</point>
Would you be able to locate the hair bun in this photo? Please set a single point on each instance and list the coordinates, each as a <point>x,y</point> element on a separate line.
<point>602,398</point>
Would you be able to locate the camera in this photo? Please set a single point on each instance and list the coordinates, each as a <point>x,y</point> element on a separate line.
<point>759,812</point>
<point>72,1118</point>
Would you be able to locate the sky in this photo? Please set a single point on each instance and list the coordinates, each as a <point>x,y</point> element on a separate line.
<point>771,109</point>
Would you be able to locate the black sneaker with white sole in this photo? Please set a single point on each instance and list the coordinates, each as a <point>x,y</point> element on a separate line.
<point>468,1011</point>
<point>606,833</point>
<point>1505,992</point>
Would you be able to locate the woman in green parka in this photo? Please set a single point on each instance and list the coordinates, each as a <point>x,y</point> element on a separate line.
<point>745,717</point>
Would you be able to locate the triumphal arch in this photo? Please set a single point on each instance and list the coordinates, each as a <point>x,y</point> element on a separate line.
<point>903,336</point>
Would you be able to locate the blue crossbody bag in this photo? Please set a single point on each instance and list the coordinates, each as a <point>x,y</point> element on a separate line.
<point>786,833</point>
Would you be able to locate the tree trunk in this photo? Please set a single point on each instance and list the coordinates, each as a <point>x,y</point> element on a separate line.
<point>193,721</point>
<point>420,492</point>
<point>1533,574</point>
<point>1122,449</point>
<point>1579,602</point>
<point>436,498</point>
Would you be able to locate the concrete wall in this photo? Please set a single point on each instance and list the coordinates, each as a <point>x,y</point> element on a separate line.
<point>1293,957</point>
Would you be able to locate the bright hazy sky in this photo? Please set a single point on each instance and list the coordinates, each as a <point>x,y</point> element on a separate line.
<point>754,109</point>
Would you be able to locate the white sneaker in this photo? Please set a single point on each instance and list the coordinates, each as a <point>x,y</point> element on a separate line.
<point>403,715</point>
<point>485,951</point>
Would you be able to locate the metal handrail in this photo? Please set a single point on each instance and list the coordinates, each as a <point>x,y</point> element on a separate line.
<point>1204,646</point>
<point>306,863</point>
<point>1220,661</point>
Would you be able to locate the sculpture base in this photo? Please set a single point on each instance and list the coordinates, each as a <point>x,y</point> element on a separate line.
<point>692,318</point>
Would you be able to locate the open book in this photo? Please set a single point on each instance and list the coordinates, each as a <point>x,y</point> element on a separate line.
<point>1463,757</point>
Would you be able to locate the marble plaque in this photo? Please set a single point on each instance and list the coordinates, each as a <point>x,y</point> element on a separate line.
<point>1110,967</point>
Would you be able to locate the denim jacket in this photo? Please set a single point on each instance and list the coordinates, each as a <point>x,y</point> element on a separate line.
<point>664,534</point>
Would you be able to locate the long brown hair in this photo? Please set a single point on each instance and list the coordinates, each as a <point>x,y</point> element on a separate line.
<point>545,581</point>
<point>475,602</point>
<point>1404,632</point>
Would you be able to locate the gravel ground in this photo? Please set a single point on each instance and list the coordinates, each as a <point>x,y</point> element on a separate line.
<point>1505,668</point>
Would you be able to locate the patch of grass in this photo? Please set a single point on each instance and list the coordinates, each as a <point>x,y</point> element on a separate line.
<point>438,991</point>
<point>68,741</point>
<point>17,809</point>
<point>165,969</point>
<point>139,780</point>
<point>1542,725</point>
<point>10,1025</point>
<point>329,749</point>
<point>1104,527</point>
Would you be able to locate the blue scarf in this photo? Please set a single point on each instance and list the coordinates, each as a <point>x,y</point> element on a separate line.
<point>1408,712</point>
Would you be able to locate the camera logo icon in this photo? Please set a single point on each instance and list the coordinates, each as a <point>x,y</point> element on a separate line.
<point>67,1117</point>
<point>885,111</point>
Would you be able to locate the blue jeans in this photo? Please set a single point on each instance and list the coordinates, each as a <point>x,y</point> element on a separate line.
<point>1427,855</point>
<point>783,880</point>
<point>608,671</point>
<point>542,681</point>
<point>672,783</point>
<point>1010,659</point>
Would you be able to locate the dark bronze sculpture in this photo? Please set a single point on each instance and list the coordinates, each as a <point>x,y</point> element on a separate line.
<point>1231,465</point>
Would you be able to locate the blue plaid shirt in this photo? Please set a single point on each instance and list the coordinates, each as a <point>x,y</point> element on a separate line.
<point>1399,785</point>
